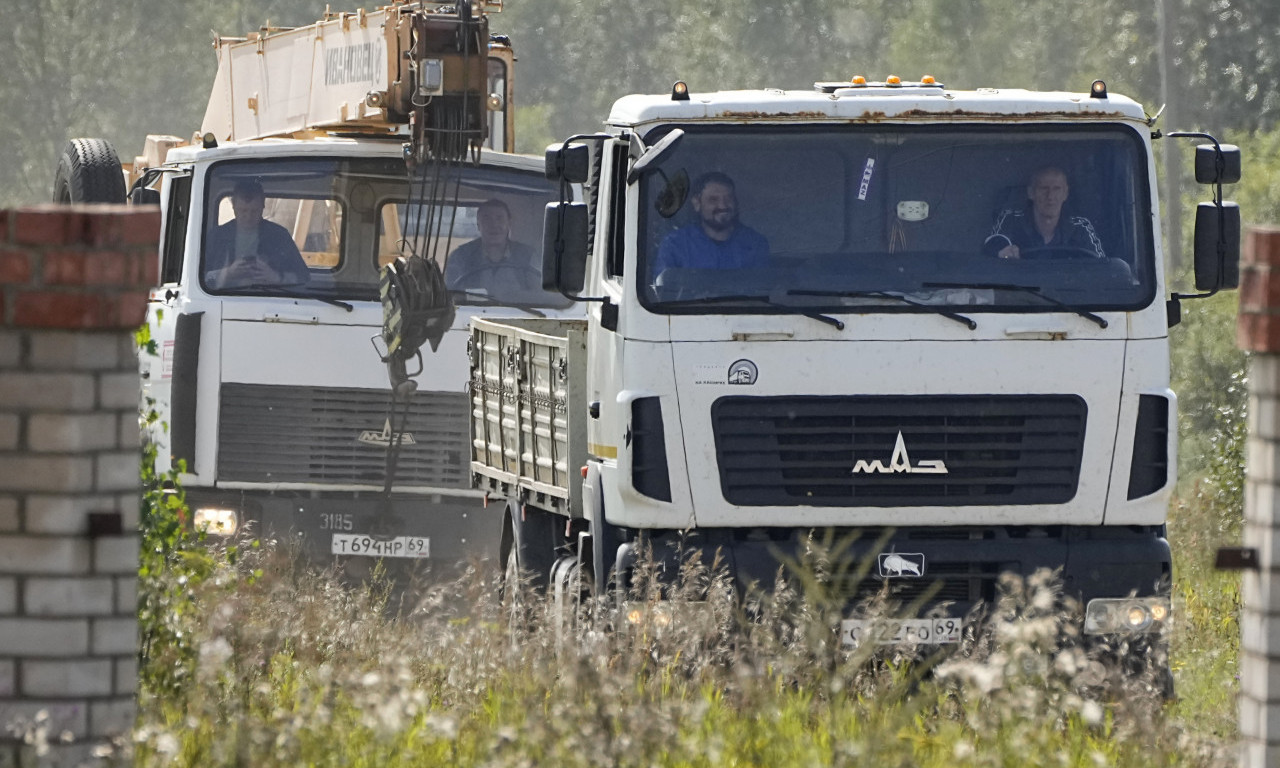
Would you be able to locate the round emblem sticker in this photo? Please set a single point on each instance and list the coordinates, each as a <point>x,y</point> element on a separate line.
<point>743,372</point>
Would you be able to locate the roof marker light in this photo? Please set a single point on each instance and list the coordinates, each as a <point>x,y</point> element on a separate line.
<point>1098,90</point>
<point>859,80</point>
<point>927,80</point>
<point>680,91</point>
<point>893,80</point>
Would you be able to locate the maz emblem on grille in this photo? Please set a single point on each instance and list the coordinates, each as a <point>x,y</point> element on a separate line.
<point>383,438</point>
<point>901,462</point>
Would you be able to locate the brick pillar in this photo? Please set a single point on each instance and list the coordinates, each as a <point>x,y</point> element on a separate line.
<point>1259,333</point>
<point>72,291</point>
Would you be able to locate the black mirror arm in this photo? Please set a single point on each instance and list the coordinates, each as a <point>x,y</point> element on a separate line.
<point>1222,216</point>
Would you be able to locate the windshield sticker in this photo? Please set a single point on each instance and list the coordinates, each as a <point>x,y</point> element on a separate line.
<point>866,178</point>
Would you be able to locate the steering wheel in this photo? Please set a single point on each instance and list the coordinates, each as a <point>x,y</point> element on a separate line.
<point>1041,252</point>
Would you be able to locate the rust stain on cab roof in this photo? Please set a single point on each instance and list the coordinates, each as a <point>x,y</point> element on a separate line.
<point>912,114</point>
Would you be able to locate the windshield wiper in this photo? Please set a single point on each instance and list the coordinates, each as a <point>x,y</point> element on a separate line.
<point>274,291</point>
<point>834,322</point>
<point>970,324</point>
<point>1034,290</point>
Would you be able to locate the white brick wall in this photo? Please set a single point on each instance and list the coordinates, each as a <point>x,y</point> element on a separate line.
<point>1260,590</point>
<point>116,555</point>
<point>23,472</point>
<point>113,636</point>
<point>9,520</point>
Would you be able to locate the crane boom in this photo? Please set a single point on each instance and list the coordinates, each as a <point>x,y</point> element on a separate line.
<point>420,69</point>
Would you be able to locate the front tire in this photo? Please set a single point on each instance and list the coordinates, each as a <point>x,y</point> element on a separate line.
<point>89,171</point>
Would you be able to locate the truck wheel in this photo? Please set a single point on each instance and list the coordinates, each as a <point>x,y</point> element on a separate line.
<point>527,547</point>
<point>89,171</point>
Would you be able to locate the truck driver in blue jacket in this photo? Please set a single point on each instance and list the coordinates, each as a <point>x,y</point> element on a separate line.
<point>717,240</point>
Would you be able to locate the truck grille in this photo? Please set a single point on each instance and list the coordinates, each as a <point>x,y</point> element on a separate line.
<point>278,434</point>
<point>787,451</point>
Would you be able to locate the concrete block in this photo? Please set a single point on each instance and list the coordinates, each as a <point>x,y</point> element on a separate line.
<point>111,718</point>
<point>116,636</point>
<point>127,675</point>
<point>1263,536</point>
<point>1264,376</point>
<point>44,555</point>
<point>21,391</point>
<point>66,677</point>
<point>1260,681</point>
<point>44,638</point>
<point>8,679</point>
<point>119,391</point>
<point>129,505</point>
<point>10,348</point>
<point>10,520</point>
<point>22,472</point>
<point>65,514</point>
<point>117,470</point>
<point>69,597</point>
<point>72,350</point>
<point>129,431</point>
<point>8,597</point>
<point>72,432</point>
<point>63,716</point>
<point>10,432</point>
<point>127,596</point>
<point>116,555</point>
<point>1260,502</point>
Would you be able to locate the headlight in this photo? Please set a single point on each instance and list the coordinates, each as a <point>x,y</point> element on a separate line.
<point>1116,615</point>
<point>218,521</point>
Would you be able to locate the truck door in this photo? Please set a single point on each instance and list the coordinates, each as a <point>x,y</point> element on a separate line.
<point>163,307</point>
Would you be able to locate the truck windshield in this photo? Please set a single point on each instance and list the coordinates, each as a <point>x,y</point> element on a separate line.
<point>898,219</point>
<point>322,228</point>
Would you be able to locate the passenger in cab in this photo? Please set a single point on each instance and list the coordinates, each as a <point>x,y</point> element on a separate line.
<point>494,262</point>
<point>1041,224</point>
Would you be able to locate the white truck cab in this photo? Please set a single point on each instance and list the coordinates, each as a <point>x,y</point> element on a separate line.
<point>273,396</point>
<point>805,316</point>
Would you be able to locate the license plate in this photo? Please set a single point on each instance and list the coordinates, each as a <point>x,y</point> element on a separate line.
<point>368,546</point>
<point>901,631</point>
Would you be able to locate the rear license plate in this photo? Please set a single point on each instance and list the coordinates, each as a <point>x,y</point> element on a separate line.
<point>368,546</point>
<point>901,631</point>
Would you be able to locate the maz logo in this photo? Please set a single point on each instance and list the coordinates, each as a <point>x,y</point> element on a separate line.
<point>900,462</point>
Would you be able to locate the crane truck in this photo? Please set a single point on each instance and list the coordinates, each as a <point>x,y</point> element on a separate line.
<point>361,136</point>
<point>851,350</point>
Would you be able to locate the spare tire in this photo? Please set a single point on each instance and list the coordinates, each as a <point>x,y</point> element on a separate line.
<point>89,171</point>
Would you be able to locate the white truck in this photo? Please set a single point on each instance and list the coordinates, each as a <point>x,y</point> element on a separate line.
<point>885,370</point>
<point>360,136</point>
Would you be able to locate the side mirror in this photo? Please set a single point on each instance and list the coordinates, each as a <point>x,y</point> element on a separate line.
<point>1217,244</point>
<point>1214,167</point>
<point>570,163</point>
<point>564,248</point>
<point>654,154</point>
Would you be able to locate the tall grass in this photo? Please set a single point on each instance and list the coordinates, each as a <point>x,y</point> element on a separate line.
<point>289,667</point>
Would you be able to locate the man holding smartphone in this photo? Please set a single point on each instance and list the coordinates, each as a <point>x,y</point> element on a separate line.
<point>250,251</point>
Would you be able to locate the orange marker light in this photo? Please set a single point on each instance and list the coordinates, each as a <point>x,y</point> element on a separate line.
<point>859,80</point>
<point>928,80</point>
<point>893,80</point>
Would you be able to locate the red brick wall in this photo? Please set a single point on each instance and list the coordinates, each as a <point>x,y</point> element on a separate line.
<point>83,267</point>
<point>1258,329</point>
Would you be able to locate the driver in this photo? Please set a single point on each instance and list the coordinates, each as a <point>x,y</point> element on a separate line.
<point>250,251</point>
<point>493,262</point>
<point>1041,223</point>
<point>717,240</point>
